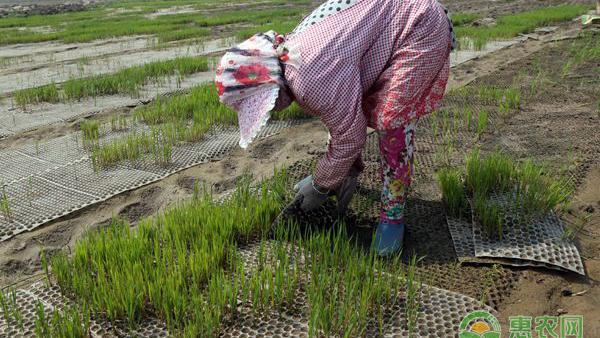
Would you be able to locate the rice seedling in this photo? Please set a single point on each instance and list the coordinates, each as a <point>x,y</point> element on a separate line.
<point>118,122</point>
<point>453,191</point>
<point>178,266</point>
<point>509,26</point>
<point>46,93</point>
<point>413,292</point>
<point>13,314</point>
<point>68,323</point>
<point>293,112</point>
<point>490,215</point>
<point>161,266</point>
<point>182,34</point>
<point>583,50</point>
<point>281,25</point>
<point>498,185</point>
<point>5,306</point>
<point>90,133</point>
<point>511,101</point>
<point>181,118</point>
<point>132,148</point>
<point>482,122</point>
<point>127,81</point>
<point>462,18</point>
<point>104,22</point>
<point>5,207</point>
<point>468,115</point>
<point>201,105</point>
<point>490,276</point>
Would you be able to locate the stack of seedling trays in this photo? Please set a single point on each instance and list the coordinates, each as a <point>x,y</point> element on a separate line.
<point>503,212</point>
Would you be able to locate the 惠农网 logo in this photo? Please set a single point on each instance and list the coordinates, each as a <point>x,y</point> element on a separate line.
<point>479,324</point>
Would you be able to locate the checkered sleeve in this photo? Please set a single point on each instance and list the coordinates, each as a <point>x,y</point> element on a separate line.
<point>347,126</point>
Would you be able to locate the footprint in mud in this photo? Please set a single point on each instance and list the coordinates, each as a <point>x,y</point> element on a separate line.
<point>225,185</point>
<point>188,183</point>
<point>59,236</point>
<point>14,266</point>
<point>264,149</point>
<point>135,211</point>
<point>229,166</point>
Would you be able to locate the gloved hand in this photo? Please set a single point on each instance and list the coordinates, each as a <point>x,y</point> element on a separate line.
<point>308,179</point>
<point>344,193</point>
<point>310,196</point>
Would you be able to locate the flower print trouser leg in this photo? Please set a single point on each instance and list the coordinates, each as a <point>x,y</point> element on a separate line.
<point>397,150</point>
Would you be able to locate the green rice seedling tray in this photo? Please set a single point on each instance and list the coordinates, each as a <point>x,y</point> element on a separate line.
<point>46,181</point>
<point>539,244</point>
<point>541,240</point>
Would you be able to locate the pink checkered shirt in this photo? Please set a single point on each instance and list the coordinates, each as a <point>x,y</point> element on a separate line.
<point>378,63</point>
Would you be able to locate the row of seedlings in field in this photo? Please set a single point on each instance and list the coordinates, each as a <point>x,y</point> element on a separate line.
<point>127,81</point>
<point>509,26</point>
<point>161,268</point>
<point>105,23</point>
<point>183,267</point>
<point>530,190</point>
<point>583,50</point>
<point>5,207</point>
<point>462,118</point>
<point>172,120</point>
<point>506,100</point>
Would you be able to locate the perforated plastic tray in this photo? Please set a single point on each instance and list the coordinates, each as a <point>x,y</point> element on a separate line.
<point>45,181</point>
<point>538,244</point>
<point>542,241</point>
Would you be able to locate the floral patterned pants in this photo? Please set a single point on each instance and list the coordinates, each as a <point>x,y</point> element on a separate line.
<point>397,150</point>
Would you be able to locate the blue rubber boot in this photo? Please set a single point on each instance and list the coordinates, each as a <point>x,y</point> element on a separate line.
<point>389,238</point>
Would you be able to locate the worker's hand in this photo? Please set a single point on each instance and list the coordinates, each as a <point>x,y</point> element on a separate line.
<point>310,196</point>
<point>345,192</point>
<point>308,179</point>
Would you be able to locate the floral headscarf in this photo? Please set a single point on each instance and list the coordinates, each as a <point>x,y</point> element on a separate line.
<point>249,78</point>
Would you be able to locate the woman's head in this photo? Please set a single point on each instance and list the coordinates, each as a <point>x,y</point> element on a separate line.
<point>249,78</point>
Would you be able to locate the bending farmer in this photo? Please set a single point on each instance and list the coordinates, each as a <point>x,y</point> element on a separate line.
<point>354,63</point>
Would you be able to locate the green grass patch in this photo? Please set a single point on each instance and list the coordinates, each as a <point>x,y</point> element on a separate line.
<point>127,81</point>
<point>509,26</point>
